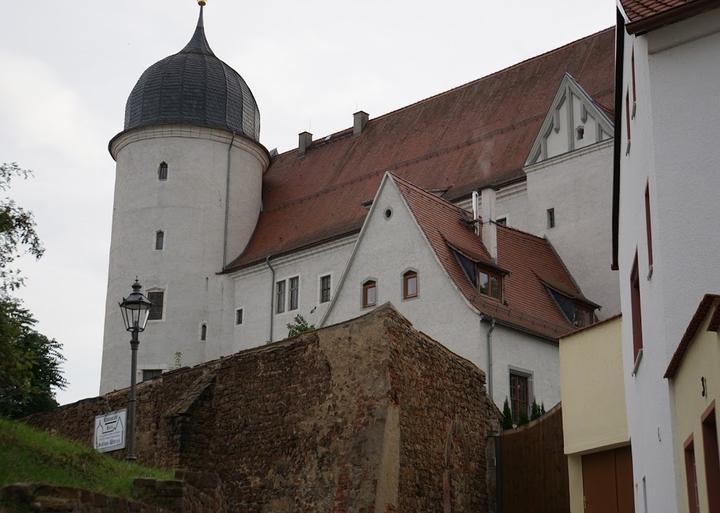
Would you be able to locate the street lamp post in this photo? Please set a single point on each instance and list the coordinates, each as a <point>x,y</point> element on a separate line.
<point>135,312</point>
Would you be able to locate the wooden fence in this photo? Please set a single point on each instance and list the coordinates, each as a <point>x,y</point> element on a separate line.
<point>533,468</point>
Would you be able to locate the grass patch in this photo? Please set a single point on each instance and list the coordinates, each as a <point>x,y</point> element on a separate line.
<point>31,455</point>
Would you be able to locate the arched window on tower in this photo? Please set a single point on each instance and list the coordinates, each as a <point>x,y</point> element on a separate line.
<point>203,332</point>
<point>159,240</point>
<point>163,171</point>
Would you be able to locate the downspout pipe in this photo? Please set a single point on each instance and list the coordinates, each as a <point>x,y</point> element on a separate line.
<point>227,200</point>
<point>488,349</point>
<point>272,293</point>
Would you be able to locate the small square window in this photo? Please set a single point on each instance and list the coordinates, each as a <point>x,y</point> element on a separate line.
<point>150,373</point>
<point>239,316</point>
<point>325,283</point>
<point>410,285</point>
<point>551,218</point>
<point>369,293</point>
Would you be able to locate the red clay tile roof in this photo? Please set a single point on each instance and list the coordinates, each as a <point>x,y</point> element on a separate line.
<point>705,306</point>
<point>530,261</point>
<point>474,135</point>
<point>644,15</point>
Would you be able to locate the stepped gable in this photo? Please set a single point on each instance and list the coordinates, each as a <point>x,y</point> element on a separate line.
<point>530,262</point>
<point>475,135</point>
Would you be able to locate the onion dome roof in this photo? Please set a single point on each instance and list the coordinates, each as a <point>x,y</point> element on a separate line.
<point>193,87</point>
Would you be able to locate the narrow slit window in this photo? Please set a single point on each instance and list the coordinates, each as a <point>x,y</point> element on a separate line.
<point>627,118</point>
<point>280,297</point>
<point>239,316</point>
<point>163,171</point>
<point>636,309</point>
<point>157,299</point>
<point>648,225</point>
<point>203,332</point>
<point>410,285</point>
<point>691,477</point>
<point>712,460</point>
<point>551,218</point>
<point>159,240</point>
<point>294,293</point>
<point>369,297</point>
<point>325,283</point>
<point>519,396</point>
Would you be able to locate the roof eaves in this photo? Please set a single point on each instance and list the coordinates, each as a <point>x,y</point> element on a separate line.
<point>672,15</point>
<point>706,304</point>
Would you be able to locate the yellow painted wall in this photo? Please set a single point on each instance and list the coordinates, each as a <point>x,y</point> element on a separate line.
<point>593,398</point>
<point>592,388</point>
<point>701,359</point>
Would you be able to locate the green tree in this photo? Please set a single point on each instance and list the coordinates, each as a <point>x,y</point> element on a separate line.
<point>17,231</point>
<point>535,411</point>
<point>507,422</point>
<point>29,363</point>
<point>523,418</point>
<point>299,325</point>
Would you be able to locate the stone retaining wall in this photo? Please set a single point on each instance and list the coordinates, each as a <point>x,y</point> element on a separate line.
<point>365,416</point>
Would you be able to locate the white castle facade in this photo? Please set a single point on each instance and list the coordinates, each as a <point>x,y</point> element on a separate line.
<point>483,214</point>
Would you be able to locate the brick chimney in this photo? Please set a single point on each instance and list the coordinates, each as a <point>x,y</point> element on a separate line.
<point>360,119</point>
<point>304,142</point>
<point>489,228</point>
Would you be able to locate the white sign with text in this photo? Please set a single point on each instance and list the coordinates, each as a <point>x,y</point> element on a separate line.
<point>110,431</point>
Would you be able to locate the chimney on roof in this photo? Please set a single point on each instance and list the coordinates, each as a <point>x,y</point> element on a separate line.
<point>304,142</point>
<point>489,228</point>
<point>360,119</point>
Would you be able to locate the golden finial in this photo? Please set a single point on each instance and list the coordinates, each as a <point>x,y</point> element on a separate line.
<point>202,3</point>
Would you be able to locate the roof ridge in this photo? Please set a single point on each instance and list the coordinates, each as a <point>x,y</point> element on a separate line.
<point>425,192</point>
<point>466,84</point>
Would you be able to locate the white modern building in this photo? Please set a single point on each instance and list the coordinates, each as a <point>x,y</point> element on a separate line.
<point>516,165</point>
<point>665,210</point>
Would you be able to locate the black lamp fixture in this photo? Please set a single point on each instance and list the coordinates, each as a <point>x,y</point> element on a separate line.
<point>135,312</point>
<point>135,309</point>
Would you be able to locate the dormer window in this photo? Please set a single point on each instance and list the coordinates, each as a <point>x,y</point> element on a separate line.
<point>487,281</point>
<point>163,171</point>
<point>576,313</point>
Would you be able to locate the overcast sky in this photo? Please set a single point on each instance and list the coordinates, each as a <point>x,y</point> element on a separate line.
<point>66,69</point>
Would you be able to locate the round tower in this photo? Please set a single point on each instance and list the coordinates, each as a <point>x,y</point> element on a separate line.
<point>188,192</point>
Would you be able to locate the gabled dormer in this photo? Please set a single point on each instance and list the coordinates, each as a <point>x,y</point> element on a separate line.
<point>574,121</point>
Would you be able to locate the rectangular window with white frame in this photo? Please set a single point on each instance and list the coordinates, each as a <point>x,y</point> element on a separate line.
<point>280,297</point>
<point>294,298</point>
<point>325,288</point>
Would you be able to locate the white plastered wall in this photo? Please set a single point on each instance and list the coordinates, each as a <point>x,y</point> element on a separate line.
<point>253,288</point>
<point>389,247</point>
<point>190,208</point>
<point>578,187</point>
<point>674,147</point>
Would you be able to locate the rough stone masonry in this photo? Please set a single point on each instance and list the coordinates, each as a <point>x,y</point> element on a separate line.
<point>365,416</point>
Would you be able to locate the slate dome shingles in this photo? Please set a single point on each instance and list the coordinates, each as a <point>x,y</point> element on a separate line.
<point>193,87</point>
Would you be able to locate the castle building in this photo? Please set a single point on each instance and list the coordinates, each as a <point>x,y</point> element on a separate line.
<point>481,213</point>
